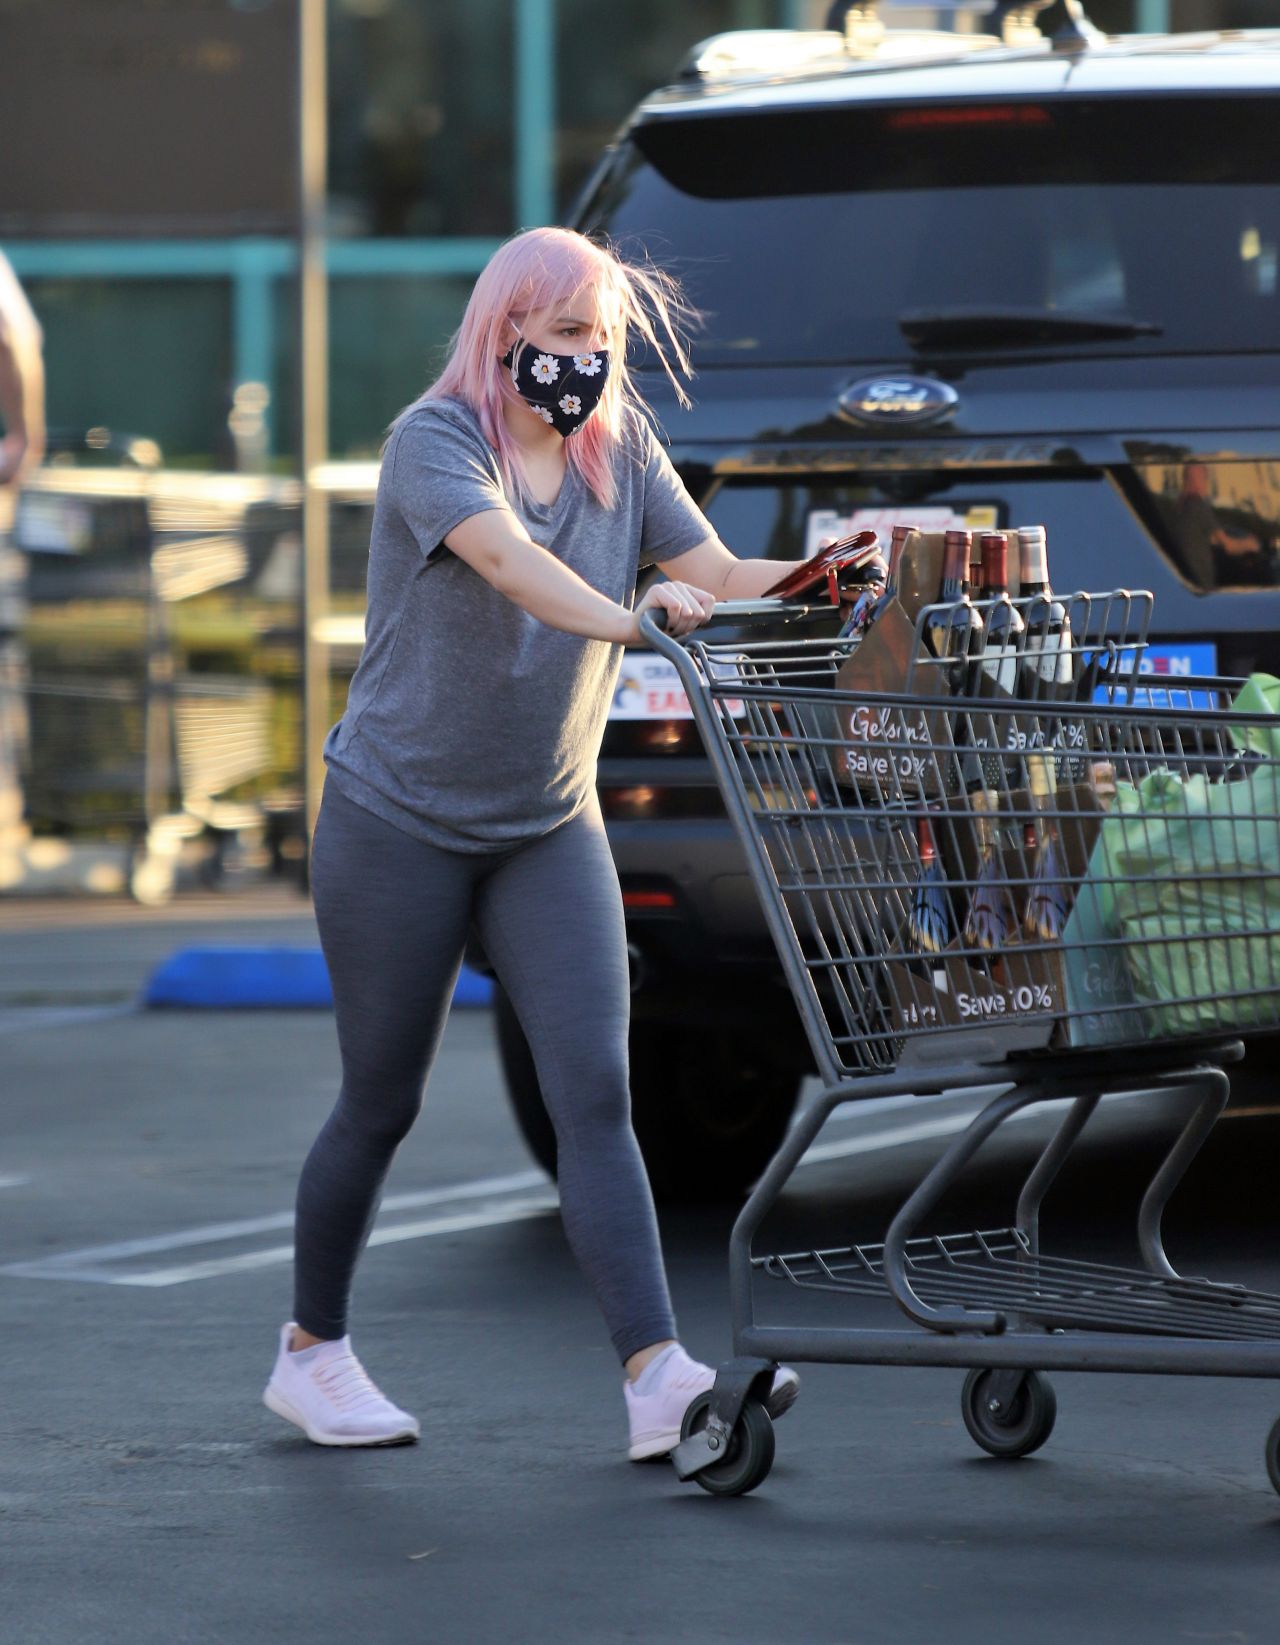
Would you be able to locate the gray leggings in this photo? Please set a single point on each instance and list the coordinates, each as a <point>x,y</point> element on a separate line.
<point>393,914</point>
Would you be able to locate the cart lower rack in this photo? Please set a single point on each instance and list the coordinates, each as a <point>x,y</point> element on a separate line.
<point>1058,889</point>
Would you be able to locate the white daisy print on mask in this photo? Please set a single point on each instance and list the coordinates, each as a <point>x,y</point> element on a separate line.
<point>541,411</point>
<point>571,405</point>
<point>546,368</point>
<point>587,364</point>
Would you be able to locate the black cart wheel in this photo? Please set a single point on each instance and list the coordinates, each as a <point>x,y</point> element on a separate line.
<point>750,1455</point>
<point>1021,1427</point>
<point>1273,1455</point>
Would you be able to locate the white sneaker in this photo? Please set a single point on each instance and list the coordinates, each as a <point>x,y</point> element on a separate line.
<point>656,1416</point>
<point>327,1392</point>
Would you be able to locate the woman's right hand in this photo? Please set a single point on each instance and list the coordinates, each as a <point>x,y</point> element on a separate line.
<point>686,607</point>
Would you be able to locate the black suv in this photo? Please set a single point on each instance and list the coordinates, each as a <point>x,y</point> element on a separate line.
<point>946,279</point>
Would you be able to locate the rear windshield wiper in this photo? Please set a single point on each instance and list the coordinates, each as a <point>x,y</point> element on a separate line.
<point>978,327</point>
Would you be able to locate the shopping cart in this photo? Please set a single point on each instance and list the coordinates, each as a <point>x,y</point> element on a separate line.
<point>968,888</point>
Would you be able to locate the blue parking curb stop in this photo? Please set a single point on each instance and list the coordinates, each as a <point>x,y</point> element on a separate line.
<point>226,979</point>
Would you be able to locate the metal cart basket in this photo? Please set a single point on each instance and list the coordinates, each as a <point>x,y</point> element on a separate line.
<point>1062,881</point>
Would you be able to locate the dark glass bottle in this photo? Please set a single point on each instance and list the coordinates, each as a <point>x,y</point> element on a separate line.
<point>1047,657</point>
<point>898,540</point>
<point>972,582</point>
<point>929,923</point>
<point>1047,900</point>
<point>991,920</point>
<point>955,629</point>
<point>974,577</point>
<point>1002,642</point>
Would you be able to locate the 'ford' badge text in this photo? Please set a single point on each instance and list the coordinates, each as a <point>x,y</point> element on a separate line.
<point>898,402</point>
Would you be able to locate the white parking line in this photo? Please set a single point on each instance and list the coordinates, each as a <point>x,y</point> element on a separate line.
<point>515,1198</point>
<point>502,1199</point>
<point>16,1019</point>
<point>14,1182</point>
<point>488,1215</point>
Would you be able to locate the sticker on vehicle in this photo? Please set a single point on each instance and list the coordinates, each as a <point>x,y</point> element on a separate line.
<point>829,524</point>
<point>1170,663</point>
<point>649,689</point>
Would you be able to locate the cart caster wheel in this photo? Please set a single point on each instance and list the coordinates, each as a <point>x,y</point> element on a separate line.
<point>1273,1455</point>
<point>1020,1429</point>
<point>750,1454</point>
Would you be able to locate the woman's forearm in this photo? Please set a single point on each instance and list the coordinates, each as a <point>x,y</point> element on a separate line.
<point>498,548</point>
<point>547,589</point>
<point>749,579</point>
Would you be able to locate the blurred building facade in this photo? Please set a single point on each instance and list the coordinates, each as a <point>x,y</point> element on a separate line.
<point>452,124</point>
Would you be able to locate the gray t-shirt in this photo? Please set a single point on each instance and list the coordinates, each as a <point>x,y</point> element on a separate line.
<point>469,723</point>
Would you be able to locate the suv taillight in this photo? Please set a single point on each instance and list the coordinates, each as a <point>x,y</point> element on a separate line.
<point>624,738</point>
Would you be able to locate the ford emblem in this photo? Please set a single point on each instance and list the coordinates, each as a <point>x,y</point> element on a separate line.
<point>898,402</point>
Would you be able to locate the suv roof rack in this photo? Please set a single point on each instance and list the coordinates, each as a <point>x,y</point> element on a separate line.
<point>856,31</point>
<point>1013,22</point>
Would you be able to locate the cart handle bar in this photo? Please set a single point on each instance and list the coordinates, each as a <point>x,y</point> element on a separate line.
<point>740,612</point>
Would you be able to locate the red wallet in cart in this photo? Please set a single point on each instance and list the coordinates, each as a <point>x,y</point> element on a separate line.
<point>850,554</point>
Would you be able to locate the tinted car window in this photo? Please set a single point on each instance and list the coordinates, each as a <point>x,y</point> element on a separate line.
<point>806,235</point>
<point>1222,518</point>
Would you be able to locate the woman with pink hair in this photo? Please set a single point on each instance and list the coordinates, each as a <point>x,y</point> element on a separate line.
<point>519,497</point>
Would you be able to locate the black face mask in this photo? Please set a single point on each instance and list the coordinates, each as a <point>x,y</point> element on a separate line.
<point>563,389</point>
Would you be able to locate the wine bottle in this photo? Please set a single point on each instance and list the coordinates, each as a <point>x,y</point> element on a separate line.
<point>992,919</point>
<point>986,765</point>
<point>929,923</point>
<point>972,573</point>
<point>972,581</point>
<point>954,629</point>
<point>1030,850</point>
<point>1047,657</point>
<point>1002,642</point>
<point>973,577</point>
<point>897,546</point>
<point>1047,902</point>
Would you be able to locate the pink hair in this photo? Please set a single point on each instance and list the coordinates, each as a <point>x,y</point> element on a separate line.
<point>545,268</point>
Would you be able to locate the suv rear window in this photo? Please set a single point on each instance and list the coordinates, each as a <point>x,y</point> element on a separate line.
<point>806,235</point>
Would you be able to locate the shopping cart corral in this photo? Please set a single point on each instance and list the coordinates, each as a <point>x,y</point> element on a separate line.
<point>160,640</point>
<point>1056,882</point>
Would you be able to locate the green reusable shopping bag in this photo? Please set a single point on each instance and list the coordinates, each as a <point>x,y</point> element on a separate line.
<point>1101,1006</point>
<point>1260,694</point>
<point>1184,886</point>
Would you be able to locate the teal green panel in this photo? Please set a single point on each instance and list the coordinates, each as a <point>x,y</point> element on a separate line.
<point>387,341</point>
<point>158,259</point>
<point>251,317</point>
<point>535,137</point>
<point>416,257</point>
<point>145,357</point>
<point>137,259</point>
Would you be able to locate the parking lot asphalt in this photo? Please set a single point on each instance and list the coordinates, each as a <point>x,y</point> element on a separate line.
<point>146,1495</point>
